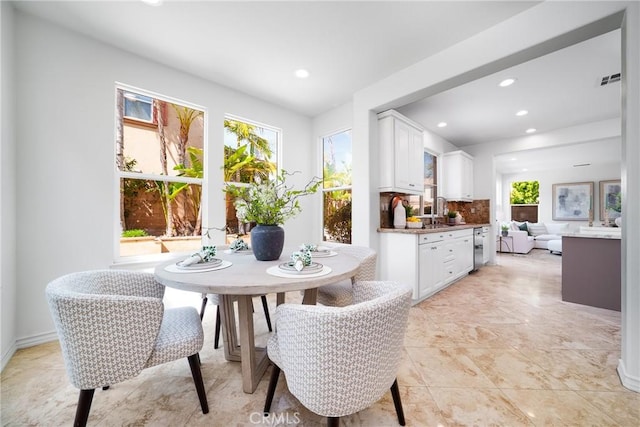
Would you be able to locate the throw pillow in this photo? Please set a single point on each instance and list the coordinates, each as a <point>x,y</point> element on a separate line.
<point>537,229</point>
<point>523,227</point>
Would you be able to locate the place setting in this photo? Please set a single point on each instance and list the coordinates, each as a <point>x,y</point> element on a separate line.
<point>318,251</point>
<point>199,262</point>
<point>239,247</point>
<point>301,264</point>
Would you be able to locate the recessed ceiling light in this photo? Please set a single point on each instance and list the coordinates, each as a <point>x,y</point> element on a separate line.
<point>302,73</point>
<point>513,159</point>
<point>522,113</point>
<point>153,2</point>
<point>524,169</point>
<point>507,82</point>
<point>442,124</point>
<point>531,130</point>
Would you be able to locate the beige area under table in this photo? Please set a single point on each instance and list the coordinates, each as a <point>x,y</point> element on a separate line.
<point>245,278</point>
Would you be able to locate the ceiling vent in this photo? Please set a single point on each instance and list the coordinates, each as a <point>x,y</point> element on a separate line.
<point>610,79</point>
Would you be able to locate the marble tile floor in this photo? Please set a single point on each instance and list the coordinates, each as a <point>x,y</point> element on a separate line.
<point>498,348</point>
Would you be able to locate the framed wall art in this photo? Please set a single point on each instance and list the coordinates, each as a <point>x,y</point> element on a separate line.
<point>610,202</point>
<point>573,201</point>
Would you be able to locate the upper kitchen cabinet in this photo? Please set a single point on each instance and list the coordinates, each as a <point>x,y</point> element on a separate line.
<point>457,173</point>
<point>401,154</point>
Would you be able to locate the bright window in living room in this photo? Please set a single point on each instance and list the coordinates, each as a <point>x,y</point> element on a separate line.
<point>524,200</point>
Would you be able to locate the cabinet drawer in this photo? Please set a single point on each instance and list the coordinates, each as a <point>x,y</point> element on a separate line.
<point>449,251</point>
<point>430,238</point>
<point>449,271</point>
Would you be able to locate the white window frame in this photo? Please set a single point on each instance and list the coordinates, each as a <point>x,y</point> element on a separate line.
<point>118,174</point>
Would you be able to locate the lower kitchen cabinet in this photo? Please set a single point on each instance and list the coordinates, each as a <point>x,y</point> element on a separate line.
<point>431,269</point>
<point>426,261</point>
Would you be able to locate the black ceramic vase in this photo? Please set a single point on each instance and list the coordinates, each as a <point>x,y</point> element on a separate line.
<point>267,242</point>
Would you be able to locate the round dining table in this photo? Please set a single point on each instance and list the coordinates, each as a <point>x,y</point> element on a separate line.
<point>241,276</point>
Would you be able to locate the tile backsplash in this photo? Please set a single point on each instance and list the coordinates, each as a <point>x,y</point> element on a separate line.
<point>476,212</point>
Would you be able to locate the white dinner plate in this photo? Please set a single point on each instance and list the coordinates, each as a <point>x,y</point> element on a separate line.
<point>199,266</point>
<point>240,252</point>
<point>289,268</point>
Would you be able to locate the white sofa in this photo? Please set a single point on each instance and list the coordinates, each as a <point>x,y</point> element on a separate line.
<point>543,232</point>
<point>537,235</point>
<point>518,241</point>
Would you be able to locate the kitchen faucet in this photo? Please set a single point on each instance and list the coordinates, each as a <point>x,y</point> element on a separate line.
<point>435,207</point>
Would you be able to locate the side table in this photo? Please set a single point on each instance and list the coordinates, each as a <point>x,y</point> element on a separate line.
<point>506,240</point>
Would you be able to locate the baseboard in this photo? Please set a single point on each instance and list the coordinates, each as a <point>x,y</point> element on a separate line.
<point>36,339</point>
<point>27,342</point>
<point>8,355</point>
<point>632,383</point>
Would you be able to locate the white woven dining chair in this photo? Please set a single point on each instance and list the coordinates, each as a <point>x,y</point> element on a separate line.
<point>340,294</point>
<point>112,324</point>
<point>340,360</point>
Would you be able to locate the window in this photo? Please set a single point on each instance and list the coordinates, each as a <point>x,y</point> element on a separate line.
<point>336,173</point>
<point>250,153</point>
<point>524,199</point>
<point>138,107</point>
<point>430,184</point>
<point>160,173</point>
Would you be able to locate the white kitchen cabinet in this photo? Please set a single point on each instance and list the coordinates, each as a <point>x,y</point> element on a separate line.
<point>401,154</point>
<point>431,271</point>
<point>458,254</point>
<point>457,176</point>
<point>428,262</point>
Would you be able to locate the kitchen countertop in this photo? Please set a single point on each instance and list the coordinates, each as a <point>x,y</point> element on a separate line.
<point>431,229</point>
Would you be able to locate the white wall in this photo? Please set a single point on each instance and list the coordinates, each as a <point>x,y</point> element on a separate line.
<point>65,155</point>
<point>7,187</point>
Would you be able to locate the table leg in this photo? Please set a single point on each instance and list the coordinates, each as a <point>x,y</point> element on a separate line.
<point>229,334</point>
<point>254,361</point>
<point>280,298</point>
<point>310,296</point>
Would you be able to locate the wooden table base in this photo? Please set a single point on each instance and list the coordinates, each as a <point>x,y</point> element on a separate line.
<point>254,359</point>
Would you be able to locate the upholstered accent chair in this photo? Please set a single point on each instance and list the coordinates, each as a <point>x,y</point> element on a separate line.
<point>214,299</point>
<point>112,324</point>
<point>340,294</point>
<point>341,360</point>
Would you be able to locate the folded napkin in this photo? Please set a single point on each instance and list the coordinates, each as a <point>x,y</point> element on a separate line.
<point>205,255</point>
<point>313,248</point>
<point>301,259</point>
<point>238,245</point>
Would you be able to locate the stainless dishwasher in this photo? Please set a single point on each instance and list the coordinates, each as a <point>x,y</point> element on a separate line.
<point>478,248</point>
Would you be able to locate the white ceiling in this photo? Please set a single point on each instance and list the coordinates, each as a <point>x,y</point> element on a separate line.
<point>254,47</point>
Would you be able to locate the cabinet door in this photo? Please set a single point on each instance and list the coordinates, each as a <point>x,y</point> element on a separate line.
<point>463,255</point>
<point>467,178</point>
<point>402,154</point>
<point>431,268</point>
<point>457,176</point>
<point>416,160</point>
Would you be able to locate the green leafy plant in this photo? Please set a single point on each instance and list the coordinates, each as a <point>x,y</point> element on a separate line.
<point>525,193</point>
<point>409,210</point>
<point>134,233</point>
<point>338,223</point>
<point>269,202</point>
<point>504,227</point>
<point>452,214</point>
